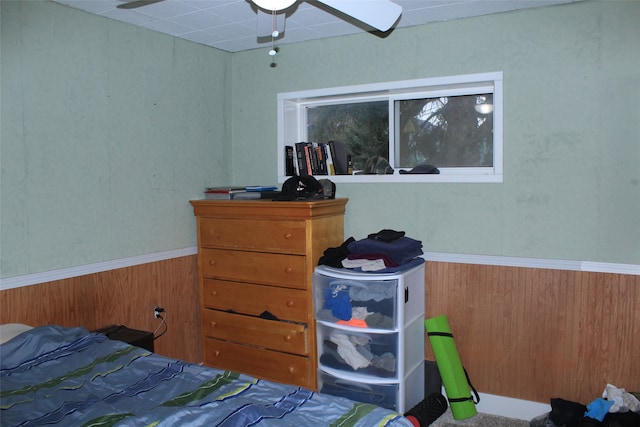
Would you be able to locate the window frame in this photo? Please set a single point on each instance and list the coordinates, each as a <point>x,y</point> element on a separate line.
<point>291,126</point>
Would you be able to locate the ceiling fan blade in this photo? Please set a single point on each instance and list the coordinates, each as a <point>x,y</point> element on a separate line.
<point>265,23</point>
<point>379,14</point>
<point>137,3</point>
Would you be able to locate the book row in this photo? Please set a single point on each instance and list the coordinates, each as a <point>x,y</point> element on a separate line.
<point>243,193</point>
<point>318,158</point>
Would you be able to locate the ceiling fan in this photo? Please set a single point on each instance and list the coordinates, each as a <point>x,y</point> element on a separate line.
<point>136,3</point>
<point>378,14</point>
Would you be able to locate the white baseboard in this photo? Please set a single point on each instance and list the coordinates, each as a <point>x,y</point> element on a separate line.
<point>66,273</point>
<point>553,264</point>
<point>98,267</point>
<point>510,407</point>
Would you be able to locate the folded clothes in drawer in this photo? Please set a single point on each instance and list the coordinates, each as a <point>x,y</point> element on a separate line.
<point>384,395</point>
<point>368,354</point>
<point>370,304</point>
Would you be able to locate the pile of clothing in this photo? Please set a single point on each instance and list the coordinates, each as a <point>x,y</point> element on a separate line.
<point>616,407</point>
<point>383,252</point>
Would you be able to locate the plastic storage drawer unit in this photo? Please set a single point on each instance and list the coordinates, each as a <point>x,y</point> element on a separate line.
<point>371,304</point>
<point>384,395</point>
<point>370,335</point>
<point>358,352</point>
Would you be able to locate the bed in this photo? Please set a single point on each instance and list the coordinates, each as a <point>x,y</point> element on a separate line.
<point>53,375</point>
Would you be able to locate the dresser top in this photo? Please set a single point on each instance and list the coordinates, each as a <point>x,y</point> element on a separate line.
<point>264,209</point>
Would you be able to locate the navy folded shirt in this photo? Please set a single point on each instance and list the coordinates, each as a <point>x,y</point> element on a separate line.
<point>401,250</point>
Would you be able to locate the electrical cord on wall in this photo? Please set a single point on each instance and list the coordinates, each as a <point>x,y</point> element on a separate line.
<point>163,322</point>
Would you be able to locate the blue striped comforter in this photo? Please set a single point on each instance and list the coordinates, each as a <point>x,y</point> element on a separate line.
<point>52,375</point>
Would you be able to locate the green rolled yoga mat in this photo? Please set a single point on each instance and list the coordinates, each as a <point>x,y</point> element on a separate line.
<point>454,378</point>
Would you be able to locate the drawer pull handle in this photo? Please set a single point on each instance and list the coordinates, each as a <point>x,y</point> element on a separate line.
<point>287,236</point>
<point>212,324</point>
<point>214,293</point>
<point>289,303</point>
<point>212,262</point>
<point>288,270</point>
<point>287,338</point>
<point>291,370</point>
<point>216,353</point>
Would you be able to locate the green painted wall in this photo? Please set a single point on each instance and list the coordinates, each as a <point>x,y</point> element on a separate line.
<point>571,129</point>
<point>108,130</point>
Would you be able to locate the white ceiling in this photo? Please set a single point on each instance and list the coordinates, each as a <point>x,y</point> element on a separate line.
<point>230,25</point>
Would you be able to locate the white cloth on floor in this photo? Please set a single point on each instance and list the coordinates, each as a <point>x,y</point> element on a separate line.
<point>622,400</point>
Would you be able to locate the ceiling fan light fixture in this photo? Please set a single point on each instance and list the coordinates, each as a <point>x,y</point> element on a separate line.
<point>273,5</point>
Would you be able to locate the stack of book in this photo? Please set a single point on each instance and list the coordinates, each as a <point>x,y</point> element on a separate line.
<point>318,158</point>
<point>252,192</point>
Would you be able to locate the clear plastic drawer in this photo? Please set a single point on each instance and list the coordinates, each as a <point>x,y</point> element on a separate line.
<point>385,395</point>
<point>359,303</point>
<point>370,354</point>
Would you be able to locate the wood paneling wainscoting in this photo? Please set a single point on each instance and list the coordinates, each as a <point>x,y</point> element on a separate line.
<point>535,334</point>
<point>525,333</point>
<point>124,296</point>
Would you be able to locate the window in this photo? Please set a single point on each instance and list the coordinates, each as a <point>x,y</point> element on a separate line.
<point>453,123</point>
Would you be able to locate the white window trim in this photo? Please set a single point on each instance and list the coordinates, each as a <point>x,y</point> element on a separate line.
<point>291,122</point>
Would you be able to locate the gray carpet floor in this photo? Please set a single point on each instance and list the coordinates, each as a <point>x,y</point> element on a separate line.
<point>479,420</point>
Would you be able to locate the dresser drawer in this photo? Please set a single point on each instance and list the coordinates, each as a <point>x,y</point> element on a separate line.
<point>264,235</point>
<point>258,362</point>
<point>255,267</point>
<point>284,303</point>
<point>255,331</point>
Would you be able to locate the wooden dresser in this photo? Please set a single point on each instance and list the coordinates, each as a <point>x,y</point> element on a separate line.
<point>255,267</point>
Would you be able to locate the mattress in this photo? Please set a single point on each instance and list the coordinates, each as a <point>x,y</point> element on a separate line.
<point>52,375</point>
